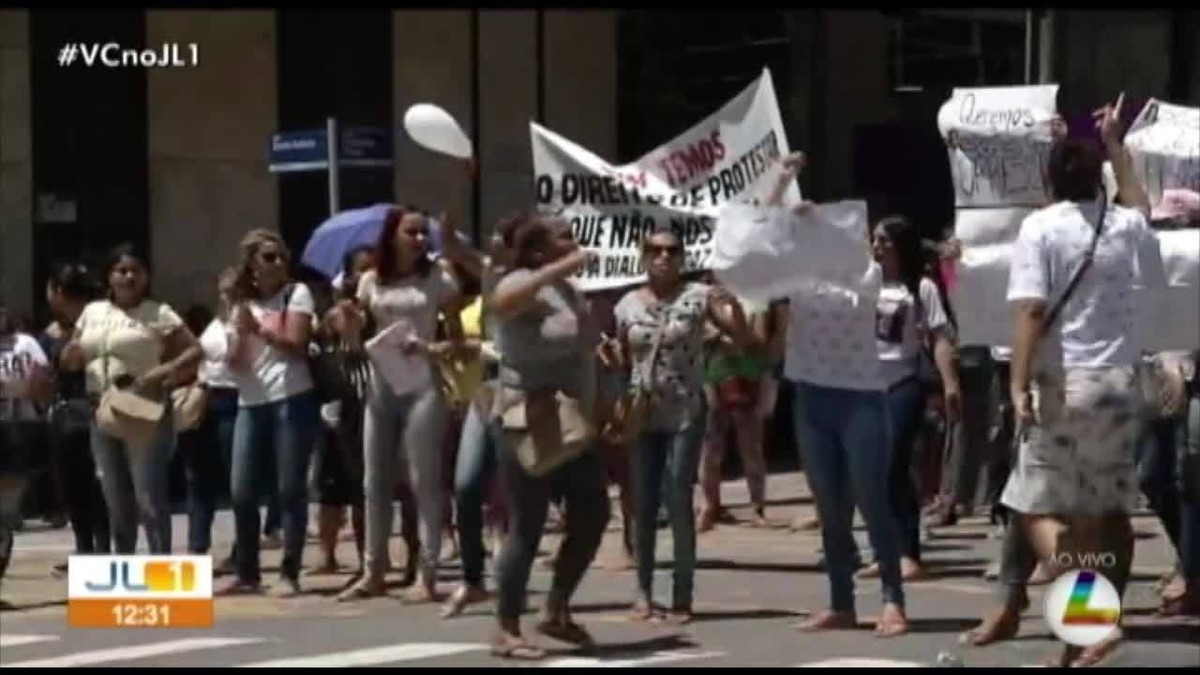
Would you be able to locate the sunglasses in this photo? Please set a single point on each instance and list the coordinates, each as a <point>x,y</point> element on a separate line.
<point>656,249</point>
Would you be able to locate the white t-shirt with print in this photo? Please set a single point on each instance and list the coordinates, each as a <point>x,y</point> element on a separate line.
<point>415,298</point>
<point>275,375</point>
<point>214,369</point>
<point>896,334</point>
<point>1097,323</point>
<point>119,342</point>
<point>20,353</point>
<point>831,337</point>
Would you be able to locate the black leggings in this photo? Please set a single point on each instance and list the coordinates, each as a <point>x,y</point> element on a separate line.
<point>581,484</point>
<point>85,501</point>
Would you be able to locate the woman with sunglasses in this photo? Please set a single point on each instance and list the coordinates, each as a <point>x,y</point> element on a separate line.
<point>910,321</point>
<point>660,326</point>
<point>403,431</point>
<point>277,407</point>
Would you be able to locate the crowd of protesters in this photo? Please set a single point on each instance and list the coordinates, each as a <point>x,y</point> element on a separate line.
<point>480,389</point>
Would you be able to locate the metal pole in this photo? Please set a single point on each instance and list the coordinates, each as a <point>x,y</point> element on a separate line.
<point>1046,48</point>
<point>331,132</point>
<point>1028,46</point>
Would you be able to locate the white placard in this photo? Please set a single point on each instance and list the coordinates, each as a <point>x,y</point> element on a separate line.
<point>999,139</point>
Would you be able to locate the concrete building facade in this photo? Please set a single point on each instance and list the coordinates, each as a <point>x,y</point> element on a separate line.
<point>175,159</point>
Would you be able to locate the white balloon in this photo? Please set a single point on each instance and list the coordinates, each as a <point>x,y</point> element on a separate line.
<point>435,129</point>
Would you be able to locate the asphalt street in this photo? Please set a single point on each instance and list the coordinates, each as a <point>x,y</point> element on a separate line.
<point>752,587</point>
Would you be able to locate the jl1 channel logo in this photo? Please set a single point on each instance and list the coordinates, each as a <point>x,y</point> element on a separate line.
<point>139,591</point>
<point>1082,608</point>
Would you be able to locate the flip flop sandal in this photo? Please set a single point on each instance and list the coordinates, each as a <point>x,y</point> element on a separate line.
<point>518,650</point>
<point>568,632</point>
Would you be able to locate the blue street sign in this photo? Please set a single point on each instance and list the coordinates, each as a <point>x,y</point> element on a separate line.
<point>362,147</point>
<point>299,151</point>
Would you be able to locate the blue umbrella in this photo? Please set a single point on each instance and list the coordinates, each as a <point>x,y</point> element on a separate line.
<point>348,230</point>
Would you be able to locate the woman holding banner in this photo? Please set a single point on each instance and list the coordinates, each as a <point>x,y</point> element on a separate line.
<point>661,328</point>
<point>840,413</point>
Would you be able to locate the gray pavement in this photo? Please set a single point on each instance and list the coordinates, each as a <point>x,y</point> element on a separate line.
<point>752,587</point>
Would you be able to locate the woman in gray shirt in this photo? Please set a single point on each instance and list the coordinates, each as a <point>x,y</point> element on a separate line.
<point>661,329</point>
<point>545,345</point>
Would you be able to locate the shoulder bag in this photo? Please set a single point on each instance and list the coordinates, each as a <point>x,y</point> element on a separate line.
<point>546,429</point>
<point>632,411</point>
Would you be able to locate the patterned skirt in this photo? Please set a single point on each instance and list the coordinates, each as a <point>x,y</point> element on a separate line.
<point>1080,456</point>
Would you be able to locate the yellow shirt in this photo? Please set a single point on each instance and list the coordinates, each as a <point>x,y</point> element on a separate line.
<point>465,375</point>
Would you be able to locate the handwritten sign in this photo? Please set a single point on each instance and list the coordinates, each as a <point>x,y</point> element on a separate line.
<point>1164,142</point>
<point>999,139</point>
<point>681,185</point>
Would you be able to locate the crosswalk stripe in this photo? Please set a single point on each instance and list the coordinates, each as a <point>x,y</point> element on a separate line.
<point>372,656</point>
<point>652,659</point>
<point>18,640</point>
<point>133,652</point>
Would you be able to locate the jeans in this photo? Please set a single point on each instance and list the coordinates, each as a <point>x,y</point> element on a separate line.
<point>399,431</point>
<point>81,489</point>
<point>136,485</point>
<point>843,439</point>
<point>906,407</point>
<point>286,429</point>
<point>581,483</point>
<point>672,455</point>
<point>208,461</point>
<point>12,492</point>
<point>476,466</point>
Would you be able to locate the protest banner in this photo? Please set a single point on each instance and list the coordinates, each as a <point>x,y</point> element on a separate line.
<point>1164,142</point>
<point>998,139</point>
<point>682,185</point>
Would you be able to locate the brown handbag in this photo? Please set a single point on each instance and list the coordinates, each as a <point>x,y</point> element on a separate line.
<point>547,428</point>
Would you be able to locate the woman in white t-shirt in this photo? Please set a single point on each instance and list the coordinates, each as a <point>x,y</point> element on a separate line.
<point>405,413</point>
<point>132,341</point>
<point>277,407</point>
<point>910,325</point>
<point>1074,387</point>
<point>25,383</point>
